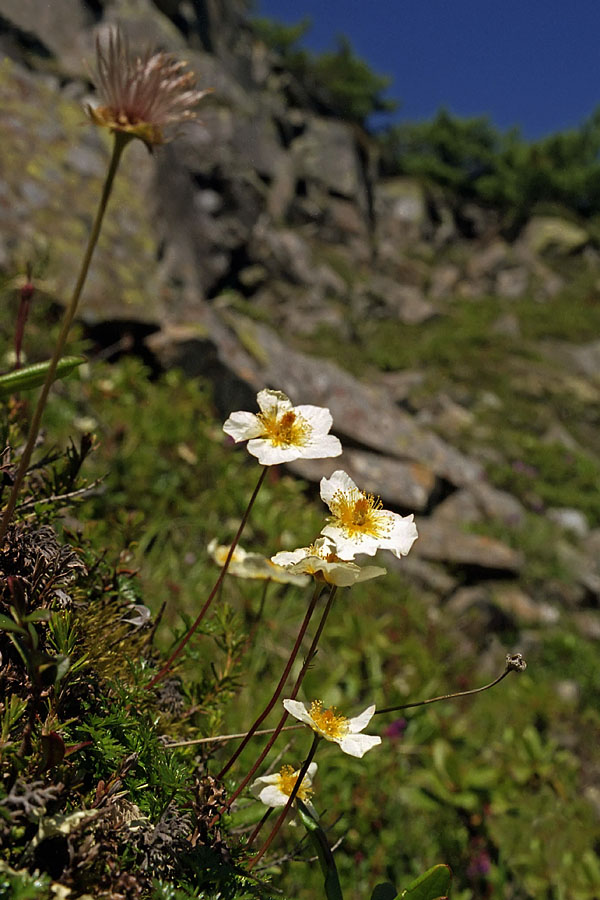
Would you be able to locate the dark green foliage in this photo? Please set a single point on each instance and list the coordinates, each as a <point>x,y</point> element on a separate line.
<point>337,82</point>
<point>471,158</point>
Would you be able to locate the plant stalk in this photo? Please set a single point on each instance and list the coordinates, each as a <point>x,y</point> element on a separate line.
<point>181,645</point>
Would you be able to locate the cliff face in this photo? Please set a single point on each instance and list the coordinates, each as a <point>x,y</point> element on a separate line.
<point>264,226</point>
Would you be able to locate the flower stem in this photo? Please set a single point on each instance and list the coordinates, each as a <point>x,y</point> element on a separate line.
<point>257,829</point>
<point>120,142</point>
<point>286,808</point>
<point>179,649</point>
<point>280,727</point>
<point>514,663</point>
<point>280,684</point>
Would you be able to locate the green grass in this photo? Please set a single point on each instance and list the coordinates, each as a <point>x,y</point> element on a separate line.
<point>460,781</point>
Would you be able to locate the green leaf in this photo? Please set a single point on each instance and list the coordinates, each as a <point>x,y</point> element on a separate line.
<point>39,615</point>
<point>7,624</point>
<point>432,885</point>
<point>384,891</point>
<point>33,376</point>
<point>333,890</point>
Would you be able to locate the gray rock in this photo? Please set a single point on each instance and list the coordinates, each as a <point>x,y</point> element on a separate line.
<point>512,282</point>
<point>489,260</point>
<point>326,153</point>
<point>443,542</point>
<point>405,302</point>
<point>361,412</point>
<point>444,278</point>
<point>553,235</point>
<point>507,325</point>
<point>587,623</point>
<point>572,520</point>
<point>407,485</point>
<point>403,199</point>
<point>515,602</point>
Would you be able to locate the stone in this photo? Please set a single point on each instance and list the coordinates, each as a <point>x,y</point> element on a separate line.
<point>282,252</point>
<point>512,282</point>
<point>572,520</point>
<point>405,485</point>
<point>405,302</point>
<point>443,280</point>
<point>400,385</point>
<point>361,412</point>
<point>507,325</point>
<point>326,153</point>
<point>443,542</point>
<point>489,260</point>
<point>403,199</point>
<point>553,235</point>
<point>516,603</point>
<point>587,623</point>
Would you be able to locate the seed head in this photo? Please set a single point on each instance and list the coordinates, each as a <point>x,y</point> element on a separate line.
<point>141,95</point>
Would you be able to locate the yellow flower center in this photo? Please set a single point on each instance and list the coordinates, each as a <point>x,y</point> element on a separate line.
<point>289,429</point>
<point>287,780</point>
<point>359,513</point>
<point>331,726</point>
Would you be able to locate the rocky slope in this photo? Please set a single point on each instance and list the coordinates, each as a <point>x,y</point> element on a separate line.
<point>263,237</point>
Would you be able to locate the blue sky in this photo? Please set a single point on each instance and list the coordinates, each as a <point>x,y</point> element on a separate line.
<point>531,63</point>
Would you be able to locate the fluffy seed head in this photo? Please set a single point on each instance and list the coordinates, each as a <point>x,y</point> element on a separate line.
<point>141,95</point>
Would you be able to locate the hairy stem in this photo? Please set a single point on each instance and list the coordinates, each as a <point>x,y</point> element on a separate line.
<point>280,684</point>
<point>293,693</point>
<point>514,663</point>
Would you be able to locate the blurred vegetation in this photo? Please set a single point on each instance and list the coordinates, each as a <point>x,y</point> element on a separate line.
<point>473,159</point>
<point>336,83</point>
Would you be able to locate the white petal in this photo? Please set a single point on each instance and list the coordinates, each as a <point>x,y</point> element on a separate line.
<point>361,721</point>
<point>262,782</point>
<point>318,417</point>
<point>269,455</point>
<point>343,574</point>
<point>339,481</point>
<point>368,572</point>
<point>242,426</point>
<point>272,795</point>
<point>298,711</point>
<point>402,536</point>
<point>348,547</point>
<point>321,446</point>
<point>310,773</point>
<point>358,744</point>
<point>270,402</point>
<point>289,557</point>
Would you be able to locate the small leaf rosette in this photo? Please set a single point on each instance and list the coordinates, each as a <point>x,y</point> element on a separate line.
<point>254,566</point>
<point>275,790</point>
<point>281,432</point>
<point>328,724</point>
<point>321,561</point>
<point>359,524</point>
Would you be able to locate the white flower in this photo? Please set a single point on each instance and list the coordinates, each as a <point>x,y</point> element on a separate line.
<point>359,524</point>
<point>321,560</point>
<point>275,790</point>
<point>253,565</point>
<point>333,727</point>
<point>281,432</point>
